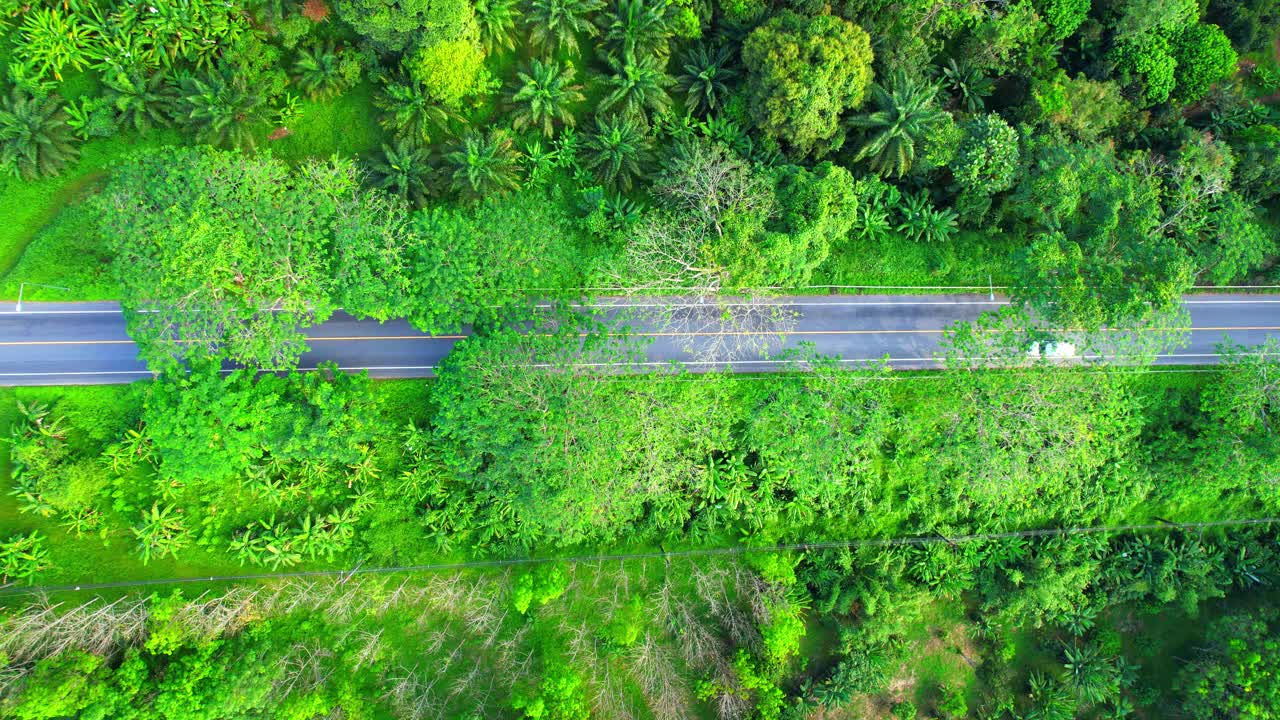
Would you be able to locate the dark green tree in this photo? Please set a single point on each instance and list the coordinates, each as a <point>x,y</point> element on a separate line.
<point>394,26</point>
<point>905,115</point>
<point>1248,22</point>
<point>544,95</point>
<point>636,87</point>
<point>405,170</point>
<point>706,74</point>
<point>140,101</point>
<point>35,140</point>
<point>485,164</point>
<point>618,151</point>
<point>555,24</point>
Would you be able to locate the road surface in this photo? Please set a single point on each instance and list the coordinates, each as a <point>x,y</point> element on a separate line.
<point>86,343</point>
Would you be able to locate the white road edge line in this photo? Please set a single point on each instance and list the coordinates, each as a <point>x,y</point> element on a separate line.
<point>651,363</point>
<point>907,301</point>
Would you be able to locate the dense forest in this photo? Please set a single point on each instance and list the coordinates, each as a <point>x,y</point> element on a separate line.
<point>522,536</point>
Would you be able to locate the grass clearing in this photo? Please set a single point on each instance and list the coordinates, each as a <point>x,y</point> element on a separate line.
<point>343,126</point>
<point>29,206</point>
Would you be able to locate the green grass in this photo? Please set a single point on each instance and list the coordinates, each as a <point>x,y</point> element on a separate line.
<point>68,253</point>
<point>344,126</point>
<point>941,653</point>
<point>28,206</point>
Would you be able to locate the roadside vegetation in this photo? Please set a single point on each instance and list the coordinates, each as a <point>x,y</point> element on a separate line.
<point>1012,538</point>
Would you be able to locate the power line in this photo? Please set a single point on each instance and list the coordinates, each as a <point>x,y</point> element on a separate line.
<point>737,550</point>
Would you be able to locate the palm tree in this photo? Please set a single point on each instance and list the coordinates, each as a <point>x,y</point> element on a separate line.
<point>968,84</point>
<point>485,164</point>
<point>320,73</point>
<point>923,222</point>
<point>35,139</point>
<point>160,533</point>
<point>408,112</point>
<point>556,23</point>
<point>222,107</point>
<point>543,95</point>
<point>1091,674</point>
<point>404,169</point>
<point>51,39</point>
<point>139,100</point>
<point>637,86</point>
<point>637,28</point>
<point>617,151</point>
<point>903,117</point>
<point>497,20</point>
<point>705,72</point>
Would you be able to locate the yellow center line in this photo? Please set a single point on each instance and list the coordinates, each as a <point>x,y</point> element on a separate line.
<point>363,338</point>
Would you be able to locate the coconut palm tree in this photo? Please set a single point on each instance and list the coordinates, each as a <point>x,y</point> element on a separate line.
<point>706,70</point>
<point>555,24</point>
<point>140,101</point>
<point>35,139</point>
<point>905,113</point>
<point>543,94</point>
<point>618,151</point>
<point>485,164</point>
<point>404,169</point>
<point>637,28</point>
<point>968,85</point>
<point>408,112</point>
<point>497,20</point>
<point>321,73</point>
<point>923,222</point>
<point>637,86</point>
<point>221,107</point>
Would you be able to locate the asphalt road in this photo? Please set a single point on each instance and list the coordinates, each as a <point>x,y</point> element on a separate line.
<point>86,343</point>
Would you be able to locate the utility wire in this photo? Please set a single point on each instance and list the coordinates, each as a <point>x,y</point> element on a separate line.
<point>738,550</point>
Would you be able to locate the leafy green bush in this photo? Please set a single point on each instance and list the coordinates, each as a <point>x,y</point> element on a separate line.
<point>22,557</point>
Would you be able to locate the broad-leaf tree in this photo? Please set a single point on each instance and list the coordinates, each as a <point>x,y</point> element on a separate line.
<point>223,255</point>
<point>395,25</point>
<point>803,73</point>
